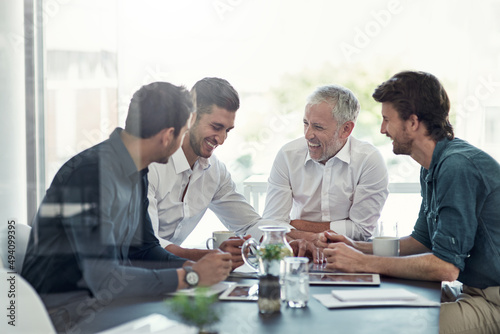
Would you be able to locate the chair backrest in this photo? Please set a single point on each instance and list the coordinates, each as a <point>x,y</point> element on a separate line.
<point>13,238</point>
<point>22,237</point>
<point>25,309</point>
<point>3,245</point>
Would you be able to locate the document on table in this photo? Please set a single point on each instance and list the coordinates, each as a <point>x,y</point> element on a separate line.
<point>373,297</point>
<point>244,271</point>
<point>212,290</point>
<point>358,295</point>
<point>154,323</point>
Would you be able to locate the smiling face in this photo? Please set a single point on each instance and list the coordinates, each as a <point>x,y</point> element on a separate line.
<point>396,129</point>
<point>322,132</point>
<point>210,131</point>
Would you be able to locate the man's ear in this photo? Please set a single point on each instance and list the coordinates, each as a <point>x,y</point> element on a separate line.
<point>167,136</point>
<point>192,119</point>
<point>346,129</point>
<point>413,122</point>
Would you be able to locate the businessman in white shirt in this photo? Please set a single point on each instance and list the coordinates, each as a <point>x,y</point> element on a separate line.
<point>328,180</point>
<point>194,180</point>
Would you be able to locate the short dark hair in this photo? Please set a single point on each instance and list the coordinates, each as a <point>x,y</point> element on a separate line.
<point>420,94</point>
<point>158,106</point>
<point>214,91</point>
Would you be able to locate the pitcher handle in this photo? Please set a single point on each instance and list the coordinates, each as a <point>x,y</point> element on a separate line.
<point>249,253</point>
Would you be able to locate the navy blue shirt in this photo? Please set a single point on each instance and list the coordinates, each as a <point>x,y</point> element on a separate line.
<point>93,232</point>
<point>459,218</point>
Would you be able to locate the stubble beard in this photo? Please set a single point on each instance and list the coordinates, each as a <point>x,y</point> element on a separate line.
<point>195,142</point>
<point>402,146</point>
<point>333,147</point>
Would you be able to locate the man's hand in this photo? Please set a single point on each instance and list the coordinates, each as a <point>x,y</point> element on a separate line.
<point>330,236</point>
<point>344,258</point>
<point>213,267</point>
<point>233,247</point>
<point>302,247</point>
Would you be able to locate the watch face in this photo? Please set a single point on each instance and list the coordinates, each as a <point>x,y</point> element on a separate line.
<point>192,278</point>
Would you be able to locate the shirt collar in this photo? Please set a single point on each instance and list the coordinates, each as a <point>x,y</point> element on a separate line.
<point>438,151</point>
<point>181,164</point>
<point>343,155</point>
<point>126,162</point>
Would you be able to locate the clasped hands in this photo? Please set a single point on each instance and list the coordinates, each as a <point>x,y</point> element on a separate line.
<point>337,250</point>
<point>313,245</point>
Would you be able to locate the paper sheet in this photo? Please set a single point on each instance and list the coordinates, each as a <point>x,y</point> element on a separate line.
<point>213,290</point>
<point>154,323</point>
<point>329,301</point>
<point>360,295</point>
<point>244,271</point>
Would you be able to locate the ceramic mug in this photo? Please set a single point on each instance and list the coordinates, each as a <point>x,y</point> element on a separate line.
<point>386,246</point>
<point>218,237</point>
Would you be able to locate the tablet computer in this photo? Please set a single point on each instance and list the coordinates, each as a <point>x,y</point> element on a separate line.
<point>242,292</point>
<point>343,279</point>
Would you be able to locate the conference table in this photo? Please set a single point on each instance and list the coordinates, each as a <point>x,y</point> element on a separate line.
<point>243,316</point>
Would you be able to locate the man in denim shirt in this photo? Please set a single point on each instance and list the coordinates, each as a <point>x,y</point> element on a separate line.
<point>457,233</point>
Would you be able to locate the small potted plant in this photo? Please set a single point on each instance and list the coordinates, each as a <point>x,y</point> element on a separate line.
<point>198,310</point>
<point>270,258</point>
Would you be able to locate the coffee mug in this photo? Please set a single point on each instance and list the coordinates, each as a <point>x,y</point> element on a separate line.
<point>386,246</point>
<point>218,237</point>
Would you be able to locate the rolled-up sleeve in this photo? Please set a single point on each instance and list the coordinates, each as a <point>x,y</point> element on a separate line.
<point>279,198</point>
<point>452,217</point>
<point>231,207</point>
<point>368,200</point>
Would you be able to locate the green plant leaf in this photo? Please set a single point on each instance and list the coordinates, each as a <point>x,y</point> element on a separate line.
<point>274,252</point>
<point>198,311</point>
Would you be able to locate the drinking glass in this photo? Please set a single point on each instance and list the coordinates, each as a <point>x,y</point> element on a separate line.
<point>296,281</point>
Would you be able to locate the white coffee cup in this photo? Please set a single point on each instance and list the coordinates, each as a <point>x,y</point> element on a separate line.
<point>218,237</point>
<point>386,246</point>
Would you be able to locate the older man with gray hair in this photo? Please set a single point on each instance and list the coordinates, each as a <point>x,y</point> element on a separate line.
<point>328,180</point>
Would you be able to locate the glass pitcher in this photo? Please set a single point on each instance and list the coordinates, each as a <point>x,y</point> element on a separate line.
<point>266,258</point>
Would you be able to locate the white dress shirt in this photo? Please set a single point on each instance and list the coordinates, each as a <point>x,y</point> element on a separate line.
<point>210,186</point>
<point>349,191</point>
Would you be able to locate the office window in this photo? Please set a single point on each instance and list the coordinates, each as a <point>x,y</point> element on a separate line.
<point>81,88</point>
<point>274,53</point>
<point>491,133</point>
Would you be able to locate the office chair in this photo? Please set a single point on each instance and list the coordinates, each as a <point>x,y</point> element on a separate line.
<point>24,307</point>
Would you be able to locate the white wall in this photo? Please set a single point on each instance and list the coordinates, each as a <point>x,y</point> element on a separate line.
<point>12,114</point>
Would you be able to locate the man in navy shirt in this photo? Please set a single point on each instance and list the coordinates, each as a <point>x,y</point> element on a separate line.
<point>457,233</point>
<point>92,240</point>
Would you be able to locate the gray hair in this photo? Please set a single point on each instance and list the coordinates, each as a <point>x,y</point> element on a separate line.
<point>345,105</point>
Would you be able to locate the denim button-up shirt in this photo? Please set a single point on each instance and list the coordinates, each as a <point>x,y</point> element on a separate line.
<point>459,218</point>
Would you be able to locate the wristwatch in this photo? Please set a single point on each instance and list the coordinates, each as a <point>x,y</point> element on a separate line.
<point>191,277</point>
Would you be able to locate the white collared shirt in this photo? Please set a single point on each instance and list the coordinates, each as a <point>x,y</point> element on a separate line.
<point>210,186</point>
<point>349,191</point>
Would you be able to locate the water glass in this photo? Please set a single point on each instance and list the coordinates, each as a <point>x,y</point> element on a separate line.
<point>296,281</point>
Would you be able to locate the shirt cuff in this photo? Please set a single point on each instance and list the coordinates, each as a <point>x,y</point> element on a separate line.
<point>164,243</point>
